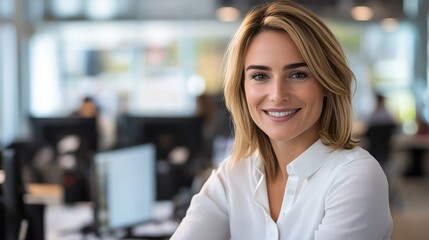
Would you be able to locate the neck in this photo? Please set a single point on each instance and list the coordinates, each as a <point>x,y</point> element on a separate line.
<point>286,152</point>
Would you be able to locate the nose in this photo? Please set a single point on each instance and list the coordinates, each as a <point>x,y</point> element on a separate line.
<point>279,91</point>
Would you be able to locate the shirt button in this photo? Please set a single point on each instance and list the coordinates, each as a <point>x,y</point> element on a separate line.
<point>290,192</point>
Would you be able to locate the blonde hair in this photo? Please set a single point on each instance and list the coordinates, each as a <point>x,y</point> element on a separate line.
<point>323,55</point>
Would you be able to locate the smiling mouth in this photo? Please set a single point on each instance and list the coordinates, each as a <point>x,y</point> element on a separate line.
<point>282,114</point>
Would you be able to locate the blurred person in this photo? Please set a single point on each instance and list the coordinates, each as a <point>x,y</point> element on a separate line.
<point>206,110</point>
<point>123,137</point>
<point>380,128</point>
<point>87,108</point>
<point>106,124</point>
<point>294,171</point>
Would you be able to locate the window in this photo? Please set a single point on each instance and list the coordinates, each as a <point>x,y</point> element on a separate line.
<point>8,73</point>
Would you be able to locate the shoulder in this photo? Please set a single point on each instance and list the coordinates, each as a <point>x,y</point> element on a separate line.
<point>246,171</point>
<point>357,168</point>
<point>355,157</point>
<point>241,167</point>
<point>356,202</point>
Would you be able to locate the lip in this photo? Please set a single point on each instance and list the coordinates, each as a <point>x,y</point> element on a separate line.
<point>280,115</point>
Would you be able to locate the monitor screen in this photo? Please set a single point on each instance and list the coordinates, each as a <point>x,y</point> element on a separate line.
<point>50,130</point>
<point>167,133</point>
<point>124,187</point>
<point>179,147</point>
<point>73,137</point>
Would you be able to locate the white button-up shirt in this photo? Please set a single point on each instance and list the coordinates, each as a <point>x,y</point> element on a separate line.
<point>329,195</point>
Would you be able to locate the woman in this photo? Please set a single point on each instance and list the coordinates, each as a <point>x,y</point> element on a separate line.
<point>294,172</point>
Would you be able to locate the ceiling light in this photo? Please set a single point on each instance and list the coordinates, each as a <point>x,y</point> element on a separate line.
<point>362,13</point>
<point>389,24</point>
<point>228,14</point>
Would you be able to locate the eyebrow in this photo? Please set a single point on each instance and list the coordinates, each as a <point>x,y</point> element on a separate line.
<point>286,67</point>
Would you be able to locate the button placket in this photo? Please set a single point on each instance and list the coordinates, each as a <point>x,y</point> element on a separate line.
<point>290,191</point>
<point>272,231</point>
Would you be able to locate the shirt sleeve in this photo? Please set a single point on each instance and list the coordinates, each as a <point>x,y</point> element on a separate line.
<point>207,216</point>
<point>357,205</point>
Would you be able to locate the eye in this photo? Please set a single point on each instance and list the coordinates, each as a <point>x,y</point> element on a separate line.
<point>259,76</point>
<point>299,75</point>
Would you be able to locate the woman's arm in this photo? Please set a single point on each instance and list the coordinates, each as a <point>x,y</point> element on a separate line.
<point>207,216</point>
<point>357,205</point>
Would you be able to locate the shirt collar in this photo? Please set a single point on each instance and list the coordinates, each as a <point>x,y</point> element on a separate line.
<point>303,166</point>
<point>309,161</point>
<point>258,170</point>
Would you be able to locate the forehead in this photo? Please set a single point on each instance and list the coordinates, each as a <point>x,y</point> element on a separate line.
<point>272,46</point>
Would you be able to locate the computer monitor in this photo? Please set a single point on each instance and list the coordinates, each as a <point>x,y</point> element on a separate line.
<point>171,135</point>
<point>55,133</point>
<point>123,186</point>
<point>50,130</point>
<point>166,133</point>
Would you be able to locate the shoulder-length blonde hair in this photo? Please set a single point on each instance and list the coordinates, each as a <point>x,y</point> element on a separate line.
<point>323,55</point>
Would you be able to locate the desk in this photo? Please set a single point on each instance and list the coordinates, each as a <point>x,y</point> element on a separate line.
<point>44,194</point>
<point>64,222</point>
<point>401,141</point>
<point>416,149</point>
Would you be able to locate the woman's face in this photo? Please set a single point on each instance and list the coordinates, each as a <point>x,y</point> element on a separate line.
<point>284,98</point>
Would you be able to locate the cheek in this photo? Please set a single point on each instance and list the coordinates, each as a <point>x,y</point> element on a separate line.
<point>315,99</point>
<point>253,93</point>
<point>249,93</point>
<point>318,104</point>
<point>252,97</point>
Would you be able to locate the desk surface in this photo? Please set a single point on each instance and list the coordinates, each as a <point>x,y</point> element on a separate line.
<point>65,221</point>
<point>44,194</point>
<point>404,142</point>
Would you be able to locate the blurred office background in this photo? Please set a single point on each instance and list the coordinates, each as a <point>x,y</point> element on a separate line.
<point>153,70</point>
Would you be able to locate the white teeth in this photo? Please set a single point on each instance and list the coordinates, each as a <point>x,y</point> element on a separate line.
<point>281,114</point>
